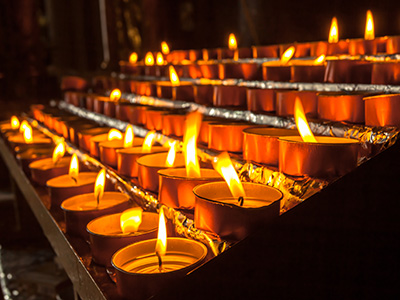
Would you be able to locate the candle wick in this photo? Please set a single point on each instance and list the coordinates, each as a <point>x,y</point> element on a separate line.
<point>74,179</point>
<point>160,268</point>
<point>241,200</point>
<point>98,200</point>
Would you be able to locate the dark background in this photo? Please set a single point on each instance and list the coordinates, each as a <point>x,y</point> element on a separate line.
<point>41,40</point>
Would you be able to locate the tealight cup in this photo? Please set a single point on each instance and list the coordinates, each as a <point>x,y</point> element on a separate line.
<point>108,150</point>
<point>44,169</point>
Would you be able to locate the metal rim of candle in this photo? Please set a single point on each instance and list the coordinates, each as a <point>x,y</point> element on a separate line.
<point>124,198</point>
<point>335,141</point>
<point>167,173</point>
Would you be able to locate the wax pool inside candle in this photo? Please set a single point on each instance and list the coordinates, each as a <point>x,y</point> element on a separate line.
<point>248,202</point>
<point>87,202</point>
<point>46,164</point>
<point>148,264</point>
<point>66,180</point>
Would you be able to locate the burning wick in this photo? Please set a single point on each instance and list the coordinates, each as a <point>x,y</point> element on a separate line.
<point>241,200</point>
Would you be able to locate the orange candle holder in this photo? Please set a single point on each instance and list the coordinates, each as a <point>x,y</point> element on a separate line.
<point>84,136</point>
<point>210,54</point>
<point>164,89</point>
<point>173,124</point>
<point>204,133</point>
<point>106,237</point>
<point>44,169</point>
<point>386,73</point>
<point>226,136</point>
<point>341,107</point>
<point>318,48</point>
<point>229,95</point>
<point>154,117</point>
<point>98,104</point>
<point>94,144</point>
<point>146,88</point>
<point>203,94</point>
<point>265,51</point>
<point>209,69</point>
<point>137,265</point>
<point>79,210</point>
<point>341,47</point>
<point>176,188</point>
<point>217,211</point>
<point>382,110</point>
<point>240,70</point>
<point>122,110</point>
<point>276,73</point>
<point>25,156</point>
<point>260,100</point>
<point>363,47</point>
<point>128,68</point>
<point>126,159</point>
<point>108,150</point>
<point>348,71</point>
<point>285,102</point>
<point>195,54</point>
<point>301,49</point>
<point>393,45</point>
<point>329,158</point>
<point>75,98</point>
<point>260,144</point>
<point>307,73</point>
<point>74,127</point>
<point>64,187</point>
<point>149,165</point>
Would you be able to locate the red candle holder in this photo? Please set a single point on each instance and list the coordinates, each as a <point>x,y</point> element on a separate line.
<point>265,51</point>
<point>285,102</point>
<point>164,89</point>
<point>318,48</point>
<point>203,94</point>
<point>204,133</point>
<point>363,47</point>
<point>341,107</point>
<point>260,144</point>
<point>229,95</point>
<point>386,73</point>
<point>74,127</point>
<point>329,158</point>
<point>79,210</point>
<point>209,69</point>
<point>210,54</point>
<point>348,71</point>
<point>137,114</point>
<point>307,73</point>
<point>126,159</point>
<point>341,47</point>
<point>176,188</point>
<point>260,100</point>
<point>240,70</point>
<point>132,69</point>
<point>393,45</point>
<point>382,110</point>
<point>275,71</point>
<point>217,211</point>
<point>150,164</point>
<point>77,99</point>
<point>73,83</point>
<point>106,237</point>
<point>25,156</point>
<point>154,116</point>
<point>94,144</point>
<point>226,136</point>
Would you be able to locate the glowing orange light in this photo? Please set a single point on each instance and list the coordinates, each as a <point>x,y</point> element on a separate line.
<point>319,60</point>
<point>14,122</point>
<point>115,95</point>
<point>287,55</point>
<point>58,152</point>
<point>129,135</point>
<point>23,126</point>
<point>133,58</point>
<point>159,59</point>
<point>164,48</point>
<point>99,185</point>
<point>301,123</point>
<point>369,27</point>
<point>74,167</point>
<point>171,155</point>
<point>114,134</point>
<point>148,141</point>
<point>131,219</point>
<point>232,44</point>
<point>149,59</point>
<point>192,124</point>
<point>334,31</point>
<point>223,165</point>
<point>28,134</point>
<point>173,77</point>
<point>161,245</point>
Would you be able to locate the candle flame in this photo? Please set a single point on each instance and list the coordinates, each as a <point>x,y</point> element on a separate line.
<point>74,167</point>
<point>161,245</point>
<point>133,58</point>
<point>159,59</point>
<point>131,219</point>
<point>173,77</point>
<point>114,134</point>
<point>164,48</point>
<point>23,126</point>
<point>232,44</point>
<point>129,136</point>
<point>334,31</point>
<point>301,122</point>
<point>369,27</point>
<point>14,122</point>
<point>148,141</point>
<point>287,55</point>
<point>115,95</point>
<point>223,165</point>
<point>99,185</point>
<point>58,152</point>
<point>149,59</point>
<point>319,60</point>
<point>28,134</point>
<point>171,155</point>
<point>192,124</point>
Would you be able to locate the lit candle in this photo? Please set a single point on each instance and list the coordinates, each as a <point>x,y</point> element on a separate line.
<point>27,138</point>
<point>152,265</point>
<point>368,45</point>
<point>233,209</point>
<point>176,184</point>
<point>74,183</point>
<point>80,209</point>
<point>109,233</point>
<point>227,136</point>
<point>321,157</point>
